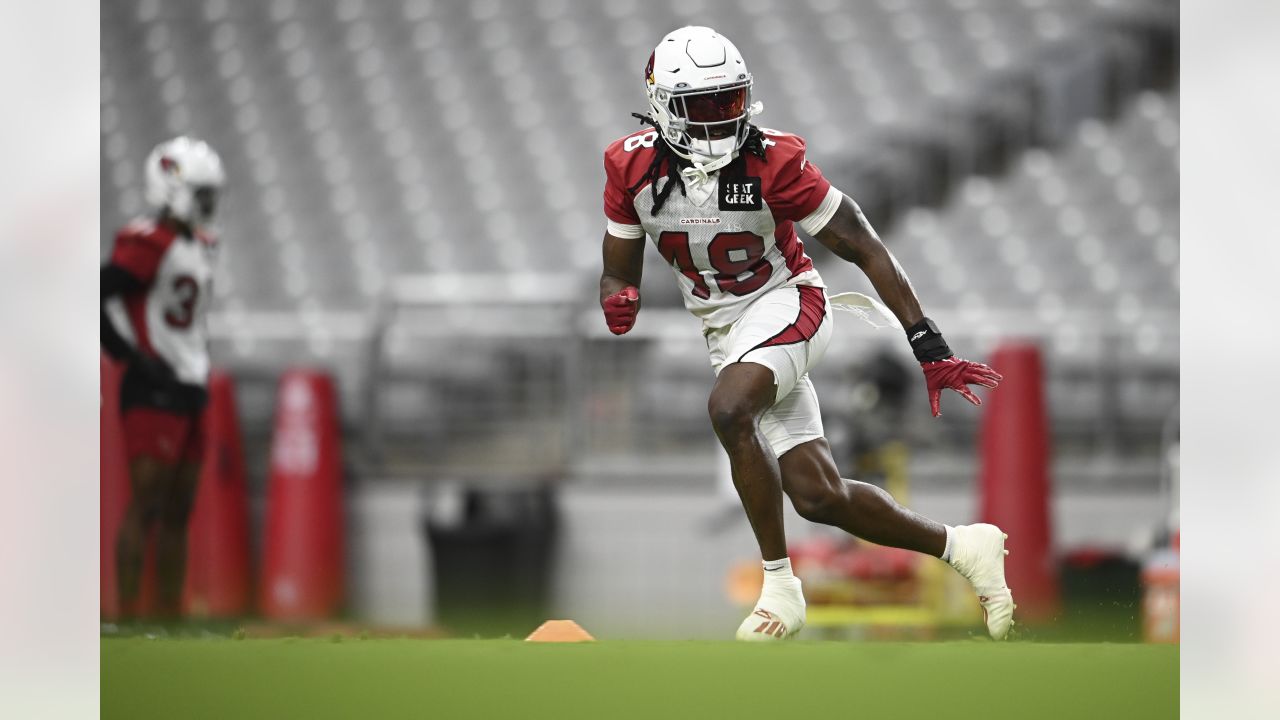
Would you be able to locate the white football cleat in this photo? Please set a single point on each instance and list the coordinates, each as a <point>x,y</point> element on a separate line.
<point>778,615</point>
<point>977,553</point>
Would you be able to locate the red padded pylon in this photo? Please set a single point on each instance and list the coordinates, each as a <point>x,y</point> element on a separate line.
<point>113,481</point>
<point>302,568</point>
<point>1015,478</point>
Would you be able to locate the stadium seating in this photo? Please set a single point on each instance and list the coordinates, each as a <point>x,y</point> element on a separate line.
<point>1085,238</point>
<point>367,139</point>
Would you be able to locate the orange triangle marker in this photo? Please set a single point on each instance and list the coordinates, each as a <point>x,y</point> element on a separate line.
<point>559,631</point>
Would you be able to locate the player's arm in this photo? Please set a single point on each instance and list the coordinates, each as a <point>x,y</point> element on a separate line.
<point>620,281</point>
<point>115,281</point>
<point>131,268</point>
<point>623,247</point>
<point>851,237</point>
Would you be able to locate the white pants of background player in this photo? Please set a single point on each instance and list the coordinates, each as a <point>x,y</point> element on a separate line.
<point>794,417</point>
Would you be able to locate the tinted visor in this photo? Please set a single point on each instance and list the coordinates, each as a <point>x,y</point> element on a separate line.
<point>717,111</point>
<point>206,199</point>
<point>715,107</point>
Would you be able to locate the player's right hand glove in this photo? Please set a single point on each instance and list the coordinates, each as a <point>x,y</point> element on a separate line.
<point>620,309</point>
<point>943,370</point>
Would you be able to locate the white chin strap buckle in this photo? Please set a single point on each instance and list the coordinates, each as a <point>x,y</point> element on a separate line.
<point>701,172</point>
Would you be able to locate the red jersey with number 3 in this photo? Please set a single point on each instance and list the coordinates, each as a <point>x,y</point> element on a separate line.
<point>167,317</point>
<point>730,239</point>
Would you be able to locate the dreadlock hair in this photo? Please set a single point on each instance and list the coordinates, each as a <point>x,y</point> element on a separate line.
<point>754,144</point>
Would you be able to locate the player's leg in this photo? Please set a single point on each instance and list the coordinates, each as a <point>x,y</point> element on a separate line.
<point>171,541</point>
<point>760,360</point>
<point>175,514</point>
<point>146,481</point>
<point>155,441</point>
<point>742,393</point>
<point>819,494</point>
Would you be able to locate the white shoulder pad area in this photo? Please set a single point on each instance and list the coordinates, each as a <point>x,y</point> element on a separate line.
<point>627,232</point>
<point>819,218</point>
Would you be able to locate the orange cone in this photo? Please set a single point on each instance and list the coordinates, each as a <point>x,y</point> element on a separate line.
<point>559,631</point>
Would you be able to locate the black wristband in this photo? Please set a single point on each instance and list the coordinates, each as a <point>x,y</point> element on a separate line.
<point>926,342</point>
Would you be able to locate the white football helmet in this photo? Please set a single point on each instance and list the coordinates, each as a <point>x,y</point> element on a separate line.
<point>177,171</point>
<point>700,95</point>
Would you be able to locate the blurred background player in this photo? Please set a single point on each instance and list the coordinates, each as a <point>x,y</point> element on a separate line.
<point>155,292</point>
<point>729,235</point>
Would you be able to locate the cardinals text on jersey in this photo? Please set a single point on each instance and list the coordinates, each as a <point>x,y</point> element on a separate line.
<point>732,238</point>
<point>167,318</point>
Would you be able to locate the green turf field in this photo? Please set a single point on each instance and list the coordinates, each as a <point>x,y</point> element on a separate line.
<point>376,678</point>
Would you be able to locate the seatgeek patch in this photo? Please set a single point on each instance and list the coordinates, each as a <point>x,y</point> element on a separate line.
<point>740,193</point>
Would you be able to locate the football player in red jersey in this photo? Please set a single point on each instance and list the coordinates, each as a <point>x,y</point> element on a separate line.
<point>721,199</point>
<point>155,291</point>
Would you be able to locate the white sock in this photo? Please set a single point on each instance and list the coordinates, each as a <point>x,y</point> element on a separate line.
<point>777,571</point>
<point>946,551</point>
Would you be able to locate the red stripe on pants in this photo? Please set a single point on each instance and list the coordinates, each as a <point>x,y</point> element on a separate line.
<point>813,304</point>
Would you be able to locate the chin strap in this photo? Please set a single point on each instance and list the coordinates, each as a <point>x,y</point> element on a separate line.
<point>699,173</point>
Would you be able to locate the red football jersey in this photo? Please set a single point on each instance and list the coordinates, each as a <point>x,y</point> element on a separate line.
<point>729,239</point>
<point>167,317</point>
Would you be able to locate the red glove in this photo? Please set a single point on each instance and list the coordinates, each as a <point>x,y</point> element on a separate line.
<point>620,309</point>
<point>957,374</point>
